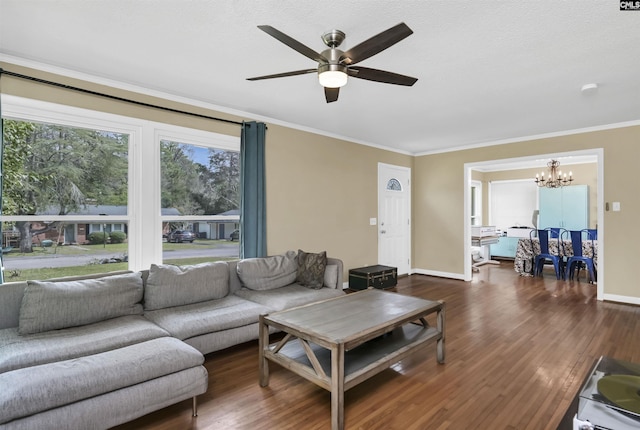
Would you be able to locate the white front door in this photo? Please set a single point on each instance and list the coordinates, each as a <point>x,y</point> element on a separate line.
<point>394,217</point>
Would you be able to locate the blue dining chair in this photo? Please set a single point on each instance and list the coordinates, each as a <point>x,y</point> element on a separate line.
<point>578,259</point>
<point>555,232</point>
<point>540,259</point>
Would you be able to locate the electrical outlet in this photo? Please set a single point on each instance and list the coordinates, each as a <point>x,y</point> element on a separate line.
<point>616,206</point>
<point>373,221</point>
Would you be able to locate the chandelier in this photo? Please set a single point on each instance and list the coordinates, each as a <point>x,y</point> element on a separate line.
<point>555,179</point>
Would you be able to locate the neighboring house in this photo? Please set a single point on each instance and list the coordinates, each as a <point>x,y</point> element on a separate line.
<point>78,232</point>
<point>218,229</point>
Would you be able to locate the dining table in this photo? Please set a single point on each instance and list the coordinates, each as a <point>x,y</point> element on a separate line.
<point>527,249</point>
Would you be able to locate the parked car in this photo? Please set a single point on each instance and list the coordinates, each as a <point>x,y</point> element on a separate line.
<point>235,235</point>
<point>181,236</point>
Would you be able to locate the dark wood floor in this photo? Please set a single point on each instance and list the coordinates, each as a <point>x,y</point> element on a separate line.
<point>517,351</point>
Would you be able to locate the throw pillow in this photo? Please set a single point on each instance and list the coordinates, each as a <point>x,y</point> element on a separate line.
<point>311,269</point>
<point>268,273</point>
<point>169,285</point>
<point>56,305</point>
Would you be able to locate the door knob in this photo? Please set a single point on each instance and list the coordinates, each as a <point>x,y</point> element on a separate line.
<point>383,231</point>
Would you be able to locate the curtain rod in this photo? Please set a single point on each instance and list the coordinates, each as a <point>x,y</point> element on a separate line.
<point>109,96</point>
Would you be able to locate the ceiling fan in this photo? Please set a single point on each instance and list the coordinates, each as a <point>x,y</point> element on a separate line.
<point>334,65</point>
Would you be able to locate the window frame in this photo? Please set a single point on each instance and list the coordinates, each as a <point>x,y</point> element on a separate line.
<point>144,196</point>
<point>475,205</point>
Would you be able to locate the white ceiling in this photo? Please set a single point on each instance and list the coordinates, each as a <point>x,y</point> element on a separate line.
<point>488,71</point>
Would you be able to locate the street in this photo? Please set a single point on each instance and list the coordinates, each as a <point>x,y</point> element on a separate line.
<point>230,249</point>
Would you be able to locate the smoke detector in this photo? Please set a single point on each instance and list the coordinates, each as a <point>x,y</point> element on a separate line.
<point>588,89</point>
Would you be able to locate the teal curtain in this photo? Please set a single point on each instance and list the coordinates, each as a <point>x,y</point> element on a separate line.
<point>253,221</point>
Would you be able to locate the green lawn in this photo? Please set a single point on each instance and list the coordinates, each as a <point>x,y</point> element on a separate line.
<point>109,249</point>
<point>48,273</point>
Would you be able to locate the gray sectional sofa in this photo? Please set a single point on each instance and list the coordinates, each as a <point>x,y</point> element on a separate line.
<point>95,352</point>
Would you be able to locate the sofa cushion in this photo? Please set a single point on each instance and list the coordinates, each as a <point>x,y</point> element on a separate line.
<point>196,319</point>
<point>311,268</point>
<point>57,384</point>
<point>18,351</point>
<point>288,297</point>
<point>169,285</point>
<point>55,305</point>
<point>267,273</point>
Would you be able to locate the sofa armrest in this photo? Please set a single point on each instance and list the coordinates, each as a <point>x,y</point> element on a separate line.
<point>340,274</point>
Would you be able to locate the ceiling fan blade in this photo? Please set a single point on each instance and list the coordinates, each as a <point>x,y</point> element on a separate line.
<point>331,94</point>
<point>380,76</point>
<point>294,44</point>
<point>283,75</point>
<point>376,44</point>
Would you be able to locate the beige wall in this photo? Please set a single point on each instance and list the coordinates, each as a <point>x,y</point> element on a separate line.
<point>321,191</point>
<point>583,174</point>
<point>28,89</point>
<point>439,201</point>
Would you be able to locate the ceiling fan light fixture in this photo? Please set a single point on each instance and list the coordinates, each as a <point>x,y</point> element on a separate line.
<point>332,79</point>
<point>332,75</point>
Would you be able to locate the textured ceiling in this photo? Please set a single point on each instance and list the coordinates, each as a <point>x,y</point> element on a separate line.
<point>488,70</point>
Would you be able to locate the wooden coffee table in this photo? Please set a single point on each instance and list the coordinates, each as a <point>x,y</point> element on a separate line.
<point>340,342</point>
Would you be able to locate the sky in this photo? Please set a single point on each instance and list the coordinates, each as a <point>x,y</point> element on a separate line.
<point>200,154</point>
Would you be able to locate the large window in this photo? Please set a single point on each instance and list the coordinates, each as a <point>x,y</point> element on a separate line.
<point>88,192</point>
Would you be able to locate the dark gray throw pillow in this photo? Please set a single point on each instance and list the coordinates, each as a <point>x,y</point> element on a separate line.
<point>311,269</point>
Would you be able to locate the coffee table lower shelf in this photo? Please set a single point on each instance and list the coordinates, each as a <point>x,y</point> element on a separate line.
<point>340,342</point>
<point>360,363</point>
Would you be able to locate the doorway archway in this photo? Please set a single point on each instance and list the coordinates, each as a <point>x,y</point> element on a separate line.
<point>534,161</point>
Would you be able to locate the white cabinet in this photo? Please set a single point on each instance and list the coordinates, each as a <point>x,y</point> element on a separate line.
<point>566,207</point>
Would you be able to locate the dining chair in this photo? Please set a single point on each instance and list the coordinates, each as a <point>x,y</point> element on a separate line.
<point>578,259</point>
<point>593,233</point>
<point>540,259</point>
<point>555,232</point>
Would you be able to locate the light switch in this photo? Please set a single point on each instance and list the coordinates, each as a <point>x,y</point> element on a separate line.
<point>616,206</point>
<point>373,221</point>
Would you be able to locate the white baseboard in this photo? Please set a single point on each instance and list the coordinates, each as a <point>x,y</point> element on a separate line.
<point>621,299</point>
<point>439,274</point>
